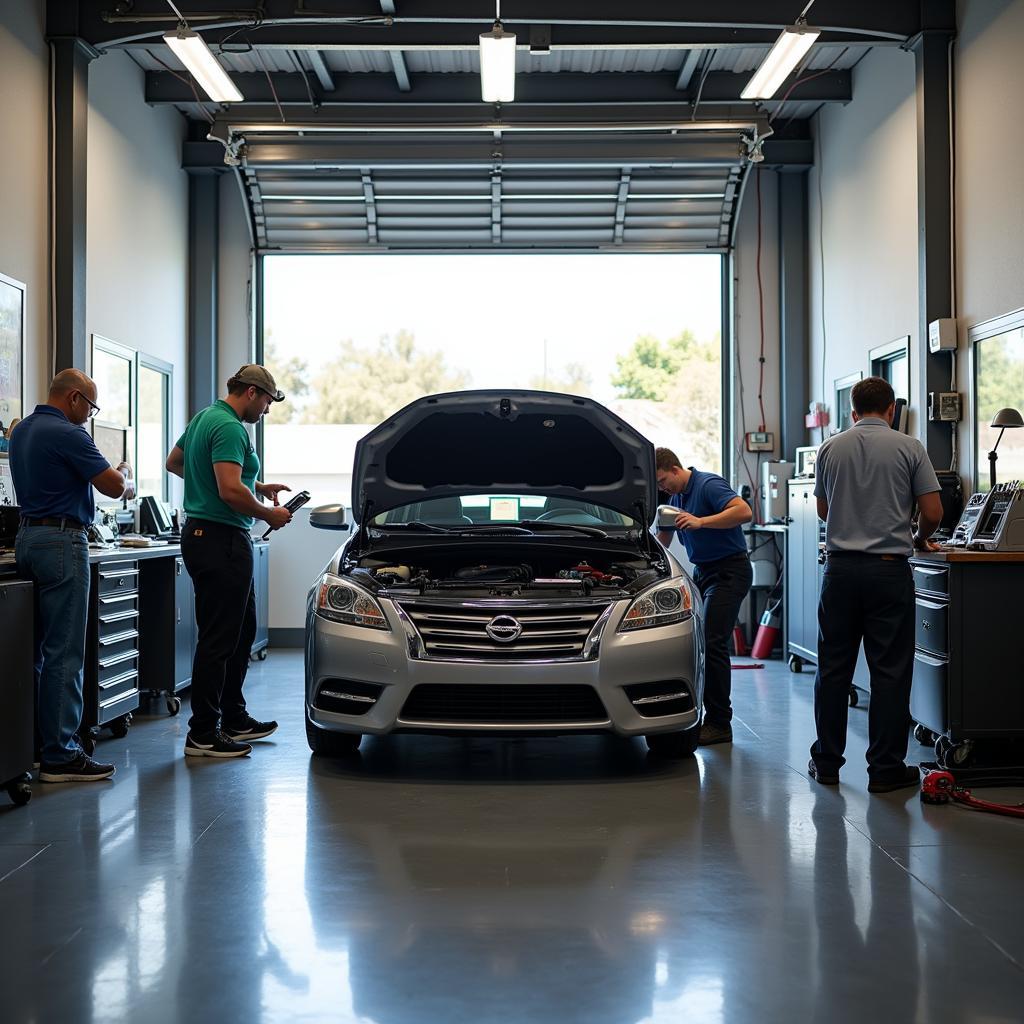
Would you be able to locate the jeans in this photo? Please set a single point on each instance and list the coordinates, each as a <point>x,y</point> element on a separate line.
<point>57,561</point>
<point>723,585</point>
<point>865,597</point>
<point>220,561</point>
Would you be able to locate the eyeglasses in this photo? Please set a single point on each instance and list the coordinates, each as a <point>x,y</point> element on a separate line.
<point>93,407</point>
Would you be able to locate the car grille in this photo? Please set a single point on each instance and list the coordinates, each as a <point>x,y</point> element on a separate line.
<point>503,704</point>
<point>458,630</point>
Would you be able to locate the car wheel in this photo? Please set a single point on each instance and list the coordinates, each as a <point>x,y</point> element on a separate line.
<point>673,744</point>
<point>331,744</point>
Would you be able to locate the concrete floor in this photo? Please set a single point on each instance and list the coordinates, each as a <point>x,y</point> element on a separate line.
<point>446,880</point>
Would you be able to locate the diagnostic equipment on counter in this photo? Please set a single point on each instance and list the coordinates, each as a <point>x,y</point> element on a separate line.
<point>154,519</point>
<point>293,506</point>
<point>993,521</point>
<point>805,459</point>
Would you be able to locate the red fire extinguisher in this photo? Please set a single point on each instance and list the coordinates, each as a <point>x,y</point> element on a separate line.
<point>767,632</point>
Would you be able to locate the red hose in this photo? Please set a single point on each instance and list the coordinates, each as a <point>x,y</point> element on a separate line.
<point>941,788</point>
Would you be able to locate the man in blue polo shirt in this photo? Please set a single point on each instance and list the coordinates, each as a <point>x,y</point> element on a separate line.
<point>711,514</point>
<point>55,465</point>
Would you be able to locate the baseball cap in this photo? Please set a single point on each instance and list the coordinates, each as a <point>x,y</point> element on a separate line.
<point>259,377</point>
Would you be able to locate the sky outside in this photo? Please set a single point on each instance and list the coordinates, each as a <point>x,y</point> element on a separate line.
<point>491,315</point>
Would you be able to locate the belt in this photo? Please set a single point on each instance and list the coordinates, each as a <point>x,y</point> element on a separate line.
<point>867,554</point>
<point>61,522</point>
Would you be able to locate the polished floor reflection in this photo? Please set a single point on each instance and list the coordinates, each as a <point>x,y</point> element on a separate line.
<point>562,880</point>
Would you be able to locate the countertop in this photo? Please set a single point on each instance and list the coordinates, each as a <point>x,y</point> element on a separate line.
<point>959,555</point>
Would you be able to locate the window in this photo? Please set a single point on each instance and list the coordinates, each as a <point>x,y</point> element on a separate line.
<point>998,352</point>
<point>844,400</point>
<point>891,362</point>
<point>134,422</point>
<point>351,339</point>
<point>154,426</point>
<point>114,371</point>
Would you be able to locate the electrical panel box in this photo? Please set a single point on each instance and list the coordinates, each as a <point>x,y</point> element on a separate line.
<point>944,406</point>
<point>942,335</point>
<point>760,441</point>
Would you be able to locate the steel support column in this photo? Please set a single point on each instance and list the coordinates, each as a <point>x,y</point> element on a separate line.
<point>934,223</point>
<point>203,252</point>
<point>794,336</point>
<point>70,59</point>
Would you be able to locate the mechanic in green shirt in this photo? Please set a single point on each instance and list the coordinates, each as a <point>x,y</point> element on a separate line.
<point>216,458</point>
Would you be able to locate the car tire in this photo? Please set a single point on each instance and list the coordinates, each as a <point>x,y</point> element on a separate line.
<point>331,744</point>
<point>673,744</point>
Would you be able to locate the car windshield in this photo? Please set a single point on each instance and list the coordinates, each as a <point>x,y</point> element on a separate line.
<point>468,510</point>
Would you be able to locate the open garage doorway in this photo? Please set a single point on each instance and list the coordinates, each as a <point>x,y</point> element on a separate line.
<point>352,338</point>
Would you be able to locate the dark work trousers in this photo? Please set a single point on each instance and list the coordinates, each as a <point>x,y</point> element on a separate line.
<point>723,585</point>
<point>869,598</point>
<point>219,560</point>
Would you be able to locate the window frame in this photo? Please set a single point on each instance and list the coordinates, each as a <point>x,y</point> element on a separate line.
<point>883,355</point>
<point>845,383</point>
<point>161,366</point>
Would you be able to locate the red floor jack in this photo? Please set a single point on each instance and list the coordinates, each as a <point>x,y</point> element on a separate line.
<point>941,787</point>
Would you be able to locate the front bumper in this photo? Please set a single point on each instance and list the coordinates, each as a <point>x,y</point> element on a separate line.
<point>342,653</point>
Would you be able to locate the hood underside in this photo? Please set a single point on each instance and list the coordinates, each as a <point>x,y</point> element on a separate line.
<point>493,442</point>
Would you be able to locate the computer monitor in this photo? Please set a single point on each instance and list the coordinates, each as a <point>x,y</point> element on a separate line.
<point>153,517</point>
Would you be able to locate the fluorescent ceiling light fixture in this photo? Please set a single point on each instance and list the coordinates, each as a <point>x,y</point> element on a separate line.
<point>498,65</point>
<point>191,49</point>
<point>784,56</point>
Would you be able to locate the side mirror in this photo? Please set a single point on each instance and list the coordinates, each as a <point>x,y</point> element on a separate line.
<point>329,517</point>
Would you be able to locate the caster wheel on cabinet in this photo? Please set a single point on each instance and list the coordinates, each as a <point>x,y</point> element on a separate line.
<point>262,654</point>
<point>173,705</point>
<point>796,664</point>
<point>924,736</point>
<point>854,697</point>
<point>20,790</point>
<point>119,726</point>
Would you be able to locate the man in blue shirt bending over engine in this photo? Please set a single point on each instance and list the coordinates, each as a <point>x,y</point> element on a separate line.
<point>711,514</point>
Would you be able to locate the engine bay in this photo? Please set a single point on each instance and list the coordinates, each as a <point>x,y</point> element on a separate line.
<point>533,572</point>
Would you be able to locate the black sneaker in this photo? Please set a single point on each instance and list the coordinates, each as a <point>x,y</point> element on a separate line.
<point>910,776</point>
<point>217,745</point>
<point>82,769</point>
<point>250,729</point>
<point>825,778</point>
<point>710,734</point>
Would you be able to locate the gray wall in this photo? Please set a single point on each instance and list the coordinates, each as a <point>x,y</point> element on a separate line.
<point>866,222</point>
<point>747,331</point>
<point>989,176</point>
<point>235,297</point>
<point>24,173</point>
<point>137,204</point>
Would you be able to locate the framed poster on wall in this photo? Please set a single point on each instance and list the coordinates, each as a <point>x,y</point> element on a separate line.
<point>12,349</point>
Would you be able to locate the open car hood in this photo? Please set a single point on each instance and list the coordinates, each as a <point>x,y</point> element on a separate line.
<point>505,442</point>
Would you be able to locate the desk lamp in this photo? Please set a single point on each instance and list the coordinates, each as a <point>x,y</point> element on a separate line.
<point>1003,419</point>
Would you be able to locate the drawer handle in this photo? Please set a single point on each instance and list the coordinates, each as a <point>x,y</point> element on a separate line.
<point>118,658</point>
<point>111,599</point>
<point>117,680</point>
<point>116,638</point>
<point>119,617</point>
<point>935,606</point>
<point>930,660</point>
<point>110,701</point>
<point>120,572</point>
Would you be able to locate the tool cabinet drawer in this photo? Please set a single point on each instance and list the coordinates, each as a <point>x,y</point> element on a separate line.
<point>929,695</point>
<point>115,665</point>
<point>931,625</point>
<point>118,578</point>
<point>117,608</point>
<point>118,642</point>
<point>931,579</point>
<point>119,683</point>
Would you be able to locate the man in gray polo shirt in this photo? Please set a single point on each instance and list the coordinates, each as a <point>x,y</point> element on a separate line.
<point>868,478</point>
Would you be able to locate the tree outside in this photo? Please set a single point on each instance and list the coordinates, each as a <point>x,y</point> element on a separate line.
<point>291,374</point>
<point>571,379</point>
<point>1000,384</point>
<point>366,384</point>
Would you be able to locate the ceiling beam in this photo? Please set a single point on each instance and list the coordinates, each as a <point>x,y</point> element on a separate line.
<point>401,71</point>
<point>457,23</point>
<point>720,87</point>
<point>690,63</point>
<point>320,69</point>
<point>446,153</point>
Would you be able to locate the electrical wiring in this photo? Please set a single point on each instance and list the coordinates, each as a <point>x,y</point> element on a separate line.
<point>270,82</point>
<point>760,302</point>
<point>700,85</point>
<point>819,162</point>
<point>187,79</point>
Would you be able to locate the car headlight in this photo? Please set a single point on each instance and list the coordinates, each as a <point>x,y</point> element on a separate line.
<point>340,601</point>
<point>661,605</point>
